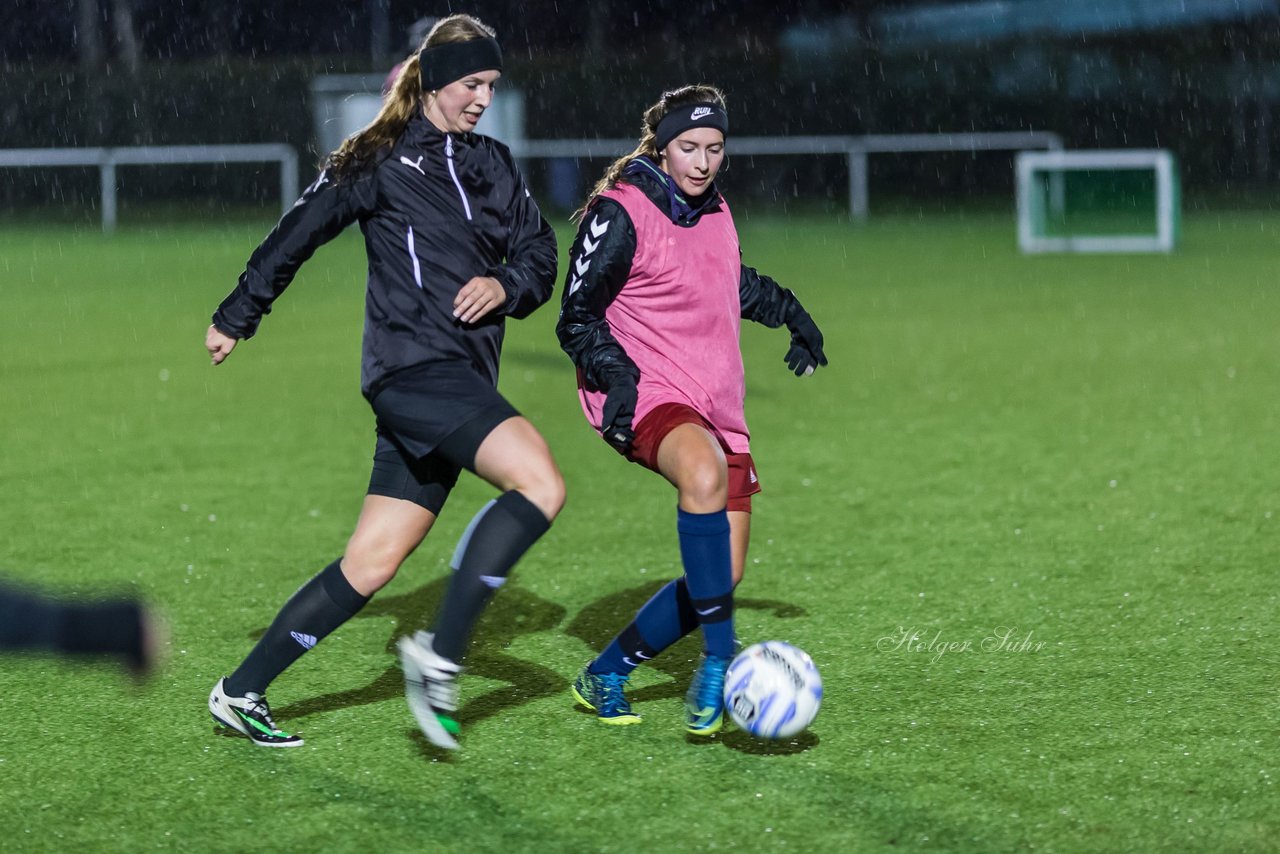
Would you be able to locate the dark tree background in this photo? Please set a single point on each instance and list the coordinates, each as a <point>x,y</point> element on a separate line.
<point>56,30</point>
<point>134,72</point>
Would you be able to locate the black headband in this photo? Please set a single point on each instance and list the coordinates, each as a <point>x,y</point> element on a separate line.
<point>441,65</point>
<point>681,119</point>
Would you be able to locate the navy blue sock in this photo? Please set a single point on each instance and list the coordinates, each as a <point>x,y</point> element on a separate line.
<point>708,570</point>
<point>660,622</point>
<point>318,607</point>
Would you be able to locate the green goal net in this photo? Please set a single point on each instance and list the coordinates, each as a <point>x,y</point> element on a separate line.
<point>1097,201</point>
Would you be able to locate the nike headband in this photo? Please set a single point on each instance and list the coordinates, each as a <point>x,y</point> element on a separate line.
<point>689,116</point>
<point>441,65</point>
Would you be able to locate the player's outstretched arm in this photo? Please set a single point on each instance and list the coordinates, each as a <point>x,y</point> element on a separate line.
<point>766,302</point>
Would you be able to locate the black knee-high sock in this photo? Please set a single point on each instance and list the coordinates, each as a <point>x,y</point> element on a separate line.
<point>496,538</point>
<point>321,605</point>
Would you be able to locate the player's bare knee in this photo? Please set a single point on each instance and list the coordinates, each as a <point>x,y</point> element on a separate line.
<point>369,567</point>
<point>704,488</point>
<point>544,488</point>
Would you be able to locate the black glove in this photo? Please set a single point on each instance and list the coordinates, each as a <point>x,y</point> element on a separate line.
<point>805,355</point>
<point>619,409</point>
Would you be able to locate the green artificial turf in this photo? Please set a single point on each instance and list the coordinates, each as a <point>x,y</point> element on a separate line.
<point>1077,455</point>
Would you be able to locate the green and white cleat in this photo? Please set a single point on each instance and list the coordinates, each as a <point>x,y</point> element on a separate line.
<point>250,716</point>
<point>431,687</point>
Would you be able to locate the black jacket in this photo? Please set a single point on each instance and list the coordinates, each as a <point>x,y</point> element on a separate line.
<point>436,210</point>
<point>592,283</point>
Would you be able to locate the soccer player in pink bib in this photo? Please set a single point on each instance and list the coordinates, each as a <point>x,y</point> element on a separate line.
<point>651,314</point>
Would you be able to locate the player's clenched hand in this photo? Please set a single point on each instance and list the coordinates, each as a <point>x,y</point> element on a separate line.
<point>477,298</point>
<point>805,355</point>
<point>619,410</point>
<point>218,344</point>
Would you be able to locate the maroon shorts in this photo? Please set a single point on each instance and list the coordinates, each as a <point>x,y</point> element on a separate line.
<point>655,426</point>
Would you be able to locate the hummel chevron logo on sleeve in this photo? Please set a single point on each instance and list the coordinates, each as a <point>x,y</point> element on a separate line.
<point>583,263</point>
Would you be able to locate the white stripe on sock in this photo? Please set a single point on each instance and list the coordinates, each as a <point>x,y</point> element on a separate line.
<point>461,550</point>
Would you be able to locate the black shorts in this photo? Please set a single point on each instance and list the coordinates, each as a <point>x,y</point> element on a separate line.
<point>431,422</point>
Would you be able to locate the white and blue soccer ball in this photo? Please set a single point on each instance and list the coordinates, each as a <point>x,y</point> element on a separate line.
<point>772,690</point>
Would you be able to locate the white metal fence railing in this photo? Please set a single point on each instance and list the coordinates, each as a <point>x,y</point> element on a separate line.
<point>856,150</point>
<point>107,159</point>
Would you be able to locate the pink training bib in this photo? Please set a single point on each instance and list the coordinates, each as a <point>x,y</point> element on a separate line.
<point>679,317</point>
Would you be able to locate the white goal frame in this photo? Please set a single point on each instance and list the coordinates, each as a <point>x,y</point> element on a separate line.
<point>1031,204</point>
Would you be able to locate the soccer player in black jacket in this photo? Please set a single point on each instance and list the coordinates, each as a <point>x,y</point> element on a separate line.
<point>455,246</point>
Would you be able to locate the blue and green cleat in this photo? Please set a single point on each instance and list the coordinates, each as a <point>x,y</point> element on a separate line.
<point>704,704</point>
<point>603,694</point>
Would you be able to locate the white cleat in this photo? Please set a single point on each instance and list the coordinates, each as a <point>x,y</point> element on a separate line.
<point>250,716</point>
<point>431,687</point>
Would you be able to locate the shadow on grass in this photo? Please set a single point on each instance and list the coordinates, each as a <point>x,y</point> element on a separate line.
<point>600,621</point>
<point>744,743</point>
<point>513,612</point>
